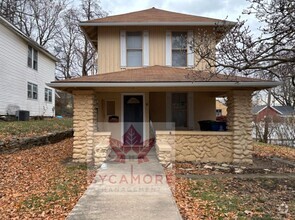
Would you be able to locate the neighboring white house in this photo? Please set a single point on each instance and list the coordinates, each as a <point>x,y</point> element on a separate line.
<point>25,68</point>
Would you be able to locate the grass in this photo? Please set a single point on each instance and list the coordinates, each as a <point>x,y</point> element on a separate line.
<point>232,197</point>
<point>32,128</point>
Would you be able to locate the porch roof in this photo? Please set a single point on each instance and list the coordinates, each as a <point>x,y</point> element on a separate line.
<point>162,76</point>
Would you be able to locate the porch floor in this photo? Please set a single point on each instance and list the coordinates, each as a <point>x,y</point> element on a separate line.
<point>129,189</point>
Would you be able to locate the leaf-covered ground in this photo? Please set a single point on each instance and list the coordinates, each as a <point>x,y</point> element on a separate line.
<point>237,198</point>
<point>40,183</point>
<point>233,198</point>
<point>267,150</point>
<point>32,128</point>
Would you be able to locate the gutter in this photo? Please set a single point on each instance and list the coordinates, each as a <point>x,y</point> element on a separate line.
<point>228,23</point>
<point>161,84</point>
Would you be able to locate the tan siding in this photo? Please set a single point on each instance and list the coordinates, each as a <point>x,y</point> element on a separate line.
<point>157,46</point>
<point>204,107</point>
<point>109,45</point>
<point>108,50</point>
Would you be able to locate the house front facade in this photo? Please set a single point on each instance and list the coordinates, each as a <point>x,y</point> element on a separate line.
<point>26,67</point>
<point>148,83</point>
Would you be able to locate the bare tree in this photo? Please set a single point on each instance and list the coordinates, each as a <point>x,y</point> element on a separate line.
<point>90,9</point>
<point>65,45</point>
<point>240,52</point>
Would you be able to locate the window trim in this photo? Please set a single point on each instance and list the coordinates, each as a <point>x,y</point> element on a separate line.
<point>32,58</point>
<point>48,95</point>
<point>135,49</point>
<point>184,50</point>
<point>30,90</point>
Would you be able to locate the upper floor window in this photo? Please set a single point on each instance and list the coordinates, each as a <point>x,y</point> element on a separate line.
<point>48,95</point>
<point>32,58</point>
<point>32,91</point>
<point>134,49</point>
<point>179,49</point>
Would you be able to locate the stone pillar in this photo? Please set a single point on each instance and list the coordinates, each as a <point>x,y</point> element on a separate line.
<point>83,123</point>
<point>239,122</point>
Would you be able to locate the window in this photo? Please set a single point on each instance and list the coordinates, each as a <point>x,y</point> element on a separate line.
<point>110,107</point>
<point>48,95</point>
<point>32,58</point>
<point>179,109</point>
<point>218,112</point>
<point>179,49</point>
<point>134,49</point>
<point>32,91</point>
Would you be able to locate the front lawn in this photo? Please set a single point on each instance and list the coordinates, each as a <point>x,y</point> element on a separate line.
<point>212,195</point>
<point>41,183</point>
<point>234,198</point>
<point>32,128</point>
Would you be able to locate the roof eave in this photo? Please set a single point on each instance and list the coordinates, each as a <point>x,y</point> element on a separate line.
<point>254,85</point>
<point>27,39</point>
<point>103,24</point>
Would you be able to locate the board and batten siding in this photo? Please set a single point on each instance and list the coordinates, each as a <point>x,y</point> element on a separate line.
<point>109,53</point>
<point>15,74</point>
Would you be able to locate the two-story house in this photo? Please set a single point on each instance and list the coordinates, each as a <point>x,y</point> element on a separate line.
<point>144,59</point>
<point>25,68</point>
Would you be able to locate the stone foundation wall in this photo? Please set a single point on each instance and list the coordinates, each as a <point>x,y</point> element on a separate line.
<point>197,146</point>
<point>101,147</point>
<point>239,122</point>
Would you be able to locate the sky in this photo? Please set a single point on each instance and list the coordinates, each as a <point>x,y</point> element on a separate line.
<point>221,9</point>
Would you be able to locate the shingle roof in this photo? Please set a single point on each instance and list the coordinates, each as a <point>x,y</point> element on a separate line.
<point>258,108</point>
<point>158,74</point>
<point>285,110</point>
<point>153,15</point>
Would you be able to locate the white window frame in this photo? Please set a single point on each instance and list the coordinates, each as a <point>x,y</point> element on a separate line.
<point>30,90</point>
<point>145,49</point>
<point>32,59</point>
<point>134,49</point>
<point>190,54</point>
<point>48,95</point>
<point>183,50</point>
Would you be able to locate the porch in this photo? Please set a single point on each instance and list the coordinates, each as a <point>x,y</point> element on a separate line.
<point>99,119</point>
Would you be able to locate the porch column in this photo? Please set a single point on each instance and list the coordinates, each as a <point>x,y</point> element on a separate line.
<point>239,121</point>
<point>83,123</point>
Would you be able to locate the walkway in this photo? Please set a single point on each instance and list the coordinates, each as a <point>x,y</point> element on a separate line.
<point>129,190</point>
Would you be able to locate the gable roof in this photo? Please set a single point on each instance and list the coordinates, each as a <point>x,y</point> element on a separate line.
<point>162,76</point>
<point>30,41</point>
<point>257,108</point>
<point>282,110</point>
<point>154,16</point>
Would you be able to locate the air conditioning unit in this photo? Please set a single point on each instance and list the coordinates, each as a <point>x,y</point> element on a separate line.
<point>23,115</point>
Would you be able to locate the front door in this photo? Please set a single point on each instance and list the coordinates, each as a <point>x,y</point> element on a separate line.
<point>133,119</point>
